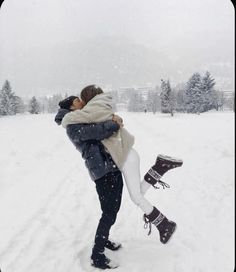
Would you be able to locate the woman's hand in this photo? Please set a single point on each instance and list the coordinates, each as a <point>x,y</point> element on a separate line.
<point>118,120</point>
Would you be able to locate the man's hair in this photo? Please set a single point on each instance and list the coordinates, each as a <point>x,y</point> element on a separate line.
<point>67,102</point>
<point>89,92</point>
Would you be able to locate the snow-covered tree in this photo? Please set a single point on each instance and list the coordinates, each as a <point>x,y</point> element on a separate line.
<point>18,103</point>
<point>167,98</point>
<point>193,94</point>
<point>7,100</point>
<point>200,95</point>
<point>209,95</point>
<point>34,106</point>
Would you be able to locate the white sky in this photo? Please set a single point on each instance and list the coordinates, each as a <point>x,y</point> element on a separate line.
<point>166,25</point>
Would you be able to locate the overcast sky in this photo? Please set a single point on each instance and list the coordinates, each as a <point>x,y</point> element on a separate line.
<point>171,26</point>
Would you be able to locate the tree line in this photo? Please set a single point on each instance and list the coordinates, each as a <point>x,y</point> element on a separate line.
<point>197,95</point>
<point>11,104</point>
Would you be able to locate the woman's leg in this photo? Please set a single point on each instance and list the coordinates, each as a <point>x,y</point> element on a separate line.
<point>144,187</point>
<point>131,172</point>
<point>152,215</point>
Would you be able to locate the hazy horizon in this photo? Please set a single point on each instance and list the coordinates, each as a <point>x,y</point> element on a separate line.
<point>55,45</point>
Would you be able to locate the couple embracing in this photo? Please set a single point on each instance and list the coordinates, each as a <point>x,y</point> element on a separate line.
<point>107,148</point>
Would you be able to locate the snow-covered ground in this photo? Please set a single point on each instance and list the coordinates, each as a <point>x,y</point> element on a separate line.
<point>49,209</point>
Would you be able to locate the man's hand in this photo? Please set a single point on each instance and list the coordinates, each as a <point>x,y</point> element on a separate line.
<point>118,120</point>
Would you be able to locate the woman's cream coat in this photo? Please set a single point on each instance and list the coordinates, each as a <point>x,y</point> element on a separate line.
<point>97,110</point>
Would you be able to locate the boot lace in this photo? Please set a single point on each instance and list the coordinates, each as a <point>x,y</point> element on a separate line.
<point>163,184</point>
<point>147,223</point>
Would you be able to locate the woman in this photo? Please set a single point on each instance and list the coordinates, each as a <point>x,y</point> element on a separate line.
<point>98,108</point>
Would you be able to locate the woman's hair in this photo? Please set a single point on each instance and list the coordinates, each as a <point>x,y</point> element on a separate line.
<point>89,92</point>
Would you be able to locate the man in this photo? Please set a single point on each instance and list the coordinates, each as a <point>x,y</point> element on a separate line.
<point>103,171</point>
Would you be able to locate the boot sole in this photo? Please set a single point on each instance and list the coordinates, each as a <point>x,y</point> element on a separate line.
<point>170,159</point>
<point>104,267</point>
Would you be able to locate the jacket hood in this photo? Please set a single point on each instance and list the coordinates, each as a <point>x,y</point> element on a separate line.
<point>98,109</point>
<point>59,116</point>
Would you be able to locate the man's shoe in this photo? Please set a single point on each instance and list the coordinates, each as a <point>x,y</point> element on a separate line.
<point>112,245</point>
<point>99,260</point>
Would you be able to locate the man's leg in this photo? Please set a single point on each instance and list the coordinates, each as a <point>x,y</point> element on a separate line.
<point>109,189</point>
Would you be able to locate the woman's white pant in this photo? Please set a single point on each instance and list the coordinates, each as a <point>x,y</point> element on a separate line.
<point>136,188</point>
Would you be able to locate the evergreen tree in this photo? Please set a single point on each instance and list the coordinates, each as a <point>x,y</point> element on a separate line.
<point>7,100</point>
<point>167,98</point>
<point>19,106</point>
<point>193,94</point>
<point>164,97</point>
<point>34,106</point>
<point>200,95</point>
<point>209,95</point>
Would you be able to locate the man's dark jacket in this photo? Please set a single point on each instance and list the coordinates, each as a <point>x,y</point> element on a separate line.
<point>87,139</point>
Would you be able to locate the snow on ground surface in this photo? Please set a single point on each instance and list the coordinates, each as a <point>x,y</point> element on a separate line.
<point>49,208</point>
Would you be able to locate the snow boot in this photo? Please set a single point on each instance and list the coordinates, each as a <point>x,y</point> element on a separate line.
<point>165,227</point>
<point>163,164</point>
<point>99,260</point>
<point>112,245</point>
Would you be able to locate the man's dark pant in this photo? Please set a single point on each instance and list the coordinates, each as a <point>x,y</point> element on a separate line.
<point>109,189</point>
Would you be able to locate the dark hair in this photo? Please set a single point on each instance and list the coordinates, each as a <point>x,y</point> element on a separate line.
<point>67,102</point>
<point>89,92</point>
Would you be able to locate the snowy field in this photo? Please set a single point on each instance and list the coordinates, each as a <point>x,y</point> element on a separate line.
<point>49,209</point>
